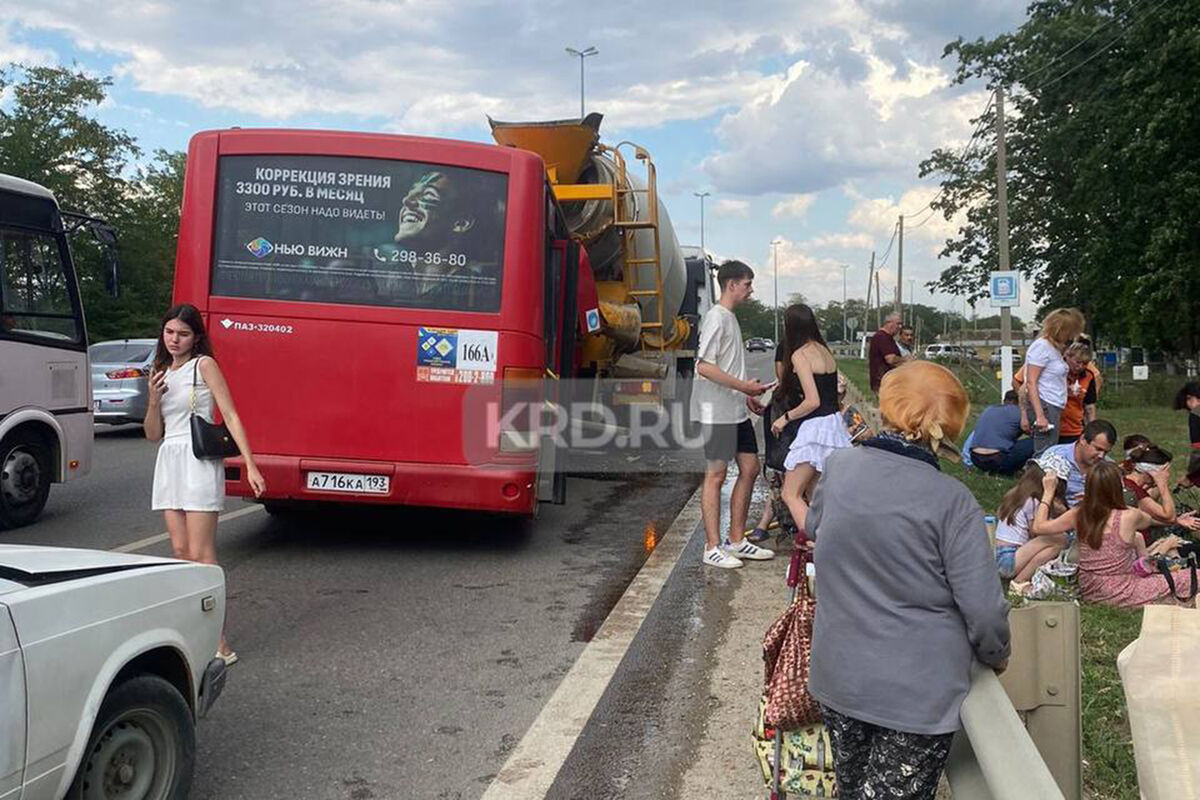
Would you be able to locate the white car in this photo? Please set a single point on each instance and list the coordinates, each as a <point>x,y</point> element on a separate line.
<point>106,662</point>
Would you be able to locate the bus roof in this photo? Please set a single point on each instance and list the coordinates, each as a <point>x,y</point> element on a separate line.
<point>11,183</point>
<point>300,141</point>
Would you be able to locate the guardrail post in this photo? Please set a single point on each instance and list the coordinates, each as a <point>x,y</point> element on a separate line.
<point>1042,681</point>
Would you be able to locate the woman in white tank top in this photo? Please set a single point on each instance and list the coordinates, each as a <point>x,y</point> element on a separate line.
<point>191,491</point>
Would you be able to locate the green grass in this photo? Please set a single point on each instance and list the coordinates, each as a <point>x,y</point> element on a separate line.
<point>1109,771</point>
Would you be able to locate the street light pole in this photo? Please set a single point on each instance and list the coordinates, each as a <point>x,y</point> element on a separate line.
<point>912,309</point>
<point>775,274</point>
<point>845,334</point>
<point>582,54</point>
<point>702,195</point>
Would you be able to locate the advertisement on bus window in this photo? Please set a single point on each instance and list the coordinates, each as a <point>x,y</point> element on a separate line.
<point>325,229</point>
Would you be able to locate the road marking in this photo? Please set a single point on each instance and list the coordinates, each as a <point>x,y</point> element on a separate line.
<point>537,759</point>
<point>142,544</point>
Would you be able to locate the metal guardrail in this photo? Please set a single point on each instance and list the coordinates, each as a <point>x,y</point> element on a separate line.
<point>1035,754</point>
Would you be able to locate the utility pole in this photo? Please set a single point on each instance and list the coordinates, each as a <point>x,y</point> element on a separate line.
<point>582,54</point>
<point>878,303</point>
<point>775,259</point>
<point>900,269</point>
<point>1006,359</point>
<point>912,309</point>
<point>845,332</point>
<point>867,307</point>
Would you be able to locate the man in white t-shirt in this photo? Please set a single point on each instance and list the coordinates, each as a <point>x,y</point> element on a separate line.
<point>721,403</point>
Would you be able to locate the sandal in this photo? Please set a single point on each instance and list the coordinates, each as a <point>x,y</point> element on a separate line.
<point>229,658</point>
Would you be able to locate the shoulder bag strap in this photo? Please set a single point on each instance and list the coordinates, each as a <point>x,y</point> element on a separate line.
<point>195,369</point>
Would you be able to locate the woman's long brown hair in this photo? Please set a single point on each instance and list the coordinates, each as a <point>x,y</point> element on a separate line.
<point>190,316</point>
<point>1029,485</point>
<point>1102,495</point>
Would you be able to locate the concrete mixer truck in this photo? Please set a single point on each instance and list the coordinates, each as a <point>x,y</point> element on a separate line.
<point>385,307</point>
<point>650,295</point>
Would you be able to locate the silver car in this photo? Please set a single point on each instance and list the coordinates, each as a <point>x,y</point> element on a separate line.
<point>120,389</point>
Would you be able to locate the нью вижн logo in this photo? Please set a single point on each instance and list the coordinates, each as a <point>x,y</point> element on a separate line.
<point>260,247</point>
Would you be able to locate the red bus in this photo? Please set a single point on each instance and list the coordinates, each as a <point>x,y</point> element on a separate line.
<point>360,289</point>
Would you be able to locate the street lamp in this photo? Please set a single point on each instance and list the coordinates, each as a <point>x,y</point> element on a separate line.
<point>702,195</point>
<point>775,276</point>
<point>845,333</point>
<point>584,53</point>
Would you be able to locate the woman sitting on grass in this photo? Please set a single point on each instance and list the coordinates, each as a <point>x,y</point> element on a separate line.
<point>1020,550</point>
<point>1144,482</point>
<point>1109,544</point>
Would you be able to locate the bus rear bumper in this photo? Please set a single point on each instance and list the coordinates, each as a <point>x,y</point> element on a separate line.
<point>508,489</point>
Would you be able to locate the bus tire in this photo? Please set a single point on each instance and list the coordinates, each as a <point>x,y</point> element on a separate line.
<point>25,474</point>
<point>277,508</point>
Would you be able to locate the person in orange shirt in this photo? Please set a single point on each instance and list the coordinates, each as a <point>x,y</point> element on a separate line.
<point>1081,393</point>
<point>1083,384</point>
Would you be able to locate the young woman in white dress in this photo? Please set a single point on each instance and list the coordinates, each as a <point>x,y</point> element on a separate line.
<point>191,491</point>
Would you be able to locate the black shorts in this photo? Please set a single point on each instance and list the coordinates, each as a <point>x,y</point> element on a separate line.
<point>722,442</point>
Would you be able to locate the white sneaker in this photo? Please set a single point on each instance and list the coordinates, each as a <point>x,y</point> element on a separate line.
<point>717,558</point>
<point>746,550</point>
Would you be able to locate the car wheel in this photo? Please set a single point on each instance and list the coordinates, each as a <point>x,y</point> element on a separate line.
<point>24,479</point>
<point>142,747</point>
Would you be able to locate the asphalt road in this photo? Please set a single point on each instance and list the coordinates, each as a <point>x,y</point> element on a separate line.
<point>402,654</point>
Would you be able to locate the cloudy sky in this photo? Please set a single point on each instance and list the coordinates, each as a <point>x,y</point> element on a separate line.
<point>805,119</point>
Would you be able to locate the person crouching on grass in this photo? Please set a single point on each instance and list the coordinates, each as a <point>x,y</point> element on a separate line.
<point>722,400</point>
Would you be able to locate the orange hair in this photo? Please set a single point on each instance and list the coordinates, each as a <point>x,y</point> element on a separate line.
<point>1063,325</point>
<point>923,400</point>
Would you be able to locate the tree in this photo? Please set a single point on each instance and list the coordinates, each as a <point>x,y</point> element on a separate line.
<point>756,319</point>
<point>48,135</point>
<point>1103,166</point>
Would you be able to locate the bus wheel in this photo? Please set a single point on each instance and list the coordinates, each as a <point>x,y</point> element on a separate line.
<point>24,479</point>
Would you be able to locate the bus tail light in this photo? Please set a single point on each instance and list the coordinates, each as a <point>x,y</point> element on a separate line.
<point>128,372</point>
<point>520,406</point>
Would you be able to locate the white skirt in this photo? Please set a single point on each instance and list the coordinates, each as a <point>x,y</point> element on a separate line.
<point>815,440</point>
<point>183,482</point>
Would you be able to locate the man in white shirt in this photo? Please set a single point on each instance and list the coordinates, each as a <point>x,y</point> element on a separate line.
<point>721,399</point>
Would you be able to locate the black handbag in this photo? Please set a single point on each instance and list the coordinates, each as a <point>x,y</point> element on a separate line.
<point>210,440</point>
<point>776,447</point>
<point>1165,571</point>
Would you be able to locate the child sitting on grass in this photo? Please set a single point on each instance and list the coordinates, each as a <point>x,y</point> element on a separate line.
<point>1020,548</point>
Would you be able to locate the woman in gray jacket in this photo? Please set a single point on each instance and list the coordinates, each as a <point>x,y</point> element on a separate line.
<point>908,594</point>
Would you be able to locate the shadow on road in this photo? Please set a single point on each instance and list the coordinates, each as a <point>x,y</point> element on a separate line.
<point>331,528</point>
<point>131,431</point>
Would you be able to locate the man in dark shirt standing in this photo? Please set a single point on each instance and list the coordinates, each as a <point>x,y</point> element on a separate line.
<point>884,354</point>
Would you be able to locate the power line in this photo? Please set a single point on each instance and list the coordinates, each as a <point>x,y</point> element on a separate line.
<point>1077,45</point>
<point>888,252</point>
<point>962,159</point>
<point>1100,51</point>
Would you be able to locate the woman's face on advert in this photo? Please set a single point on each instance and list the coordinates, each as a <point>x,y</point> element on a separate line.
<point>178,337</point>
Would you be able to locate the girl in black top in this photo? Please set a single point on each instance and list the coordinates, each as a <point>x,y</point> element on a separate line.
<point>810,382</point>
<point>1189,399</point>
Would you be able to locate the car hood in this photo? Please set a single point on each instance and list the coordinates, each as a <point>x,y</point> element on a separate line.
<point>19,562</point>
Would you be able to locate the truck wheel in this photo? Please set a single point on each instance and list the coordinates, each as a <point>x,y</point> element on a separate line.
<point>142,747</point>
<point>24,479</point>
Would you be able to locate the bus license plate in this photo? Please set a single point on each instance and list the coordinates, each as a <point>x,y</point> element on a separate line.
<point>349,482</point>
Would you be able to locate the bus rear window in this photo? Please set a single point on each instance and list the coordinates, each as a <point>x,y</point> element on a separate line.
<point>326,229</point>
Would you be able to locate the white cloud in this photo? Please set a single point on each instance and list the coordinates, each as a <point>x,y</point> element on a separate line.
<point>841,241</point>
<point>727,207</point>
<point>795,206</point>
